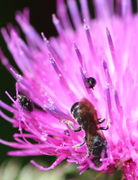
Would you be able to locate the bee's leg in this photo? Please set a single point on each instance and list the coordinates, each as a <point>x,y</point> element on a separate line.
<point>100,120</point>
<point>78,145</point>
<point>78,129</point>
<point>70,125</point>
<point>103,128</point>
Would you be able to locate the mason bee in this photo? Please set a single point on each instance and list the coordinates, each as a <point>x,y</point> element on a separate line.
<point>86,116</point>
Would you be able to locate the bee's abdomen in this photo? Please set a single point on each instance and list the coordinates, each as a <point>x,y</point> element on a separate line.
<point>98,145</point>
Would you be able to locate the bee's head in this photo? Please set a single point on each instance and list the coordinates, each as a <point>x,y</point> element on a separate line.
<point>76,112</point>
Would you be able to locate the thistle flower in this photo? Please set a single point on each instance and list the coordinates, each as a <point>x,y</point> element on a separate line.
<point>55,75</point>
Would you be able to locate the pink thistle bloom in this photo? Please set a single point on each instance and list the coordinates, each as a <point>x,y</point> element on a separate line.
<point>55,75</point>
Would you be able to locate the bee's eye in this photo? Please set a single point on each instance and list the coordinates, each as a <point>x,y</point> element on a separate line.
<point>74,110</point>
<point>74,106</point>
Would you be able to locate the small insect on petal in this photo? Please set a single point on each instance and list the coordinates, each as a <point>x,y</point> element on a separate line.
<point>25,102</point>
<point>90,82</point>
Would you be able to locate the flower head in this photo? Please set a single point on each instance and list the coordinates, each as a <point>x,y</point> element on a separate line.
<point>95,65</point>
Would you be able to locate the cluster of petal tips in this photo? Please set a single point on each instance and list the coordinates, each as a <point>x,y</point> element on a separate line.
<point>92,60</point>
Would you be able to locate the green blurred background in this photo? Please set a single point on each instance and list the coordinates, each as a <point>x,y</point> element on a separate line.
<point>40,15</point>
